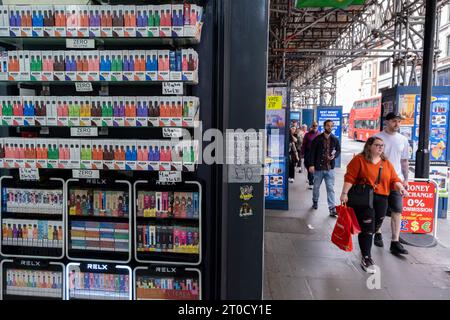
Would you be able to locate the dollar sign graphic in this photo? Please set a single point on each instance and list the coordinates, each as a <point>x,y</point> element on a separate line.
<point>414,226</point>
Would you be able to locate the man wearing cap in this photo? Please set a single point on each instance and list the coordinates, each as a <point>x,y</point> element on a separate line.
<point>396,150</point>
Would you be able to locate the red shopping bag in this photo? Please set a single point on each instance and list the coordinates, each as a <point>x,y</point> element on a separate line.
<point>342,232</point>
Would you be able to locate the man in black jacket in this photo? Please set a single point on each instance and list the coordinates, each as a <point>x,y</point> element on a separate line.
<point>325,149</point>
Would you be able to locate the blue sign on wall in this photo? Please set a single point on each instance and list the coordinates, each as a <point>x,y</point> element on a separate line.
<point>334,114</point>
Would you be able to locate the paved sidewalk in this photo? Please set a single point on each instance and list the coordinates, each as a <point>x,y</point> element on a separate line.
<point>302,263</point>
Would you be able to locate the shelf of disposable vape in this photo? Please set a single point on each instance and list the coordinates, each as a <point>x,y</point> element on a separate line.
<point>169,123</point>
<point>177,219</point>
<point>101,218</point>
<point>24,215</point>
<point>66,82</point>
<point>103,41</point>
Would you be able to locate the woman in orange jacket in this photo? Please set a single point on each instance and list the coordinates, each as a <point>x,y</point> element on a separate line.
<point>364,169</point>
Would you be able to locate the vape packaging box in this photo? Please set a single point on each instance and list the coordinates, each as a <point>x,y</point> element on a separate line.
<point>4,21</point>
<point>176,150</point>
<point>142,112</point>
<point>142,21</point>
<point>97,154</point>
<point>153,111</point>
<point>163,65</point>
<point>94,21</point>
<point>190,65</point>
<point>85,111</point>
<point>165,155</point>
<point>72,64</point>
<point>130,111</point>
<point>153,155</point>
<point>4,65</point>
<point>62,111</point>
<point>151,65</point>
<point>75,156</point>
<point>14,66</point>
<point>8,161</point>
<point>142,155</point>
<point>140,65</point>
<point>19,155</point>
<point>40,105</point>
<point>190,111</point>
<point>108,155</point>
<point>119,155</point>
<point>107,112</point>
<point>118,21</point>
<point>52,153</point>
<point>52,111</point>
<point>177,20</point>
<point>127,74</point>
<point>47,65</point>
<point>105,65</point>
<point>18,115</point>
<point>154,21</point>
<point>41,153</point>
<point>14,22</point>
<point>24,61</point>
<point>118,111</point>
<point>36,65</point>
<point>60,20</point>
<point>83,21</point>
<point>63,154</point>
<point>175,65</point>
<point>30,153</point>
<point>49,21</point>
<point>82,66</point>
<point>106,21</point>
<point>130,22</point>
<point>37,17</point>
<point>29,111</point>
<point>117,65</point>
<point>85,154</point>
<point>7,111</point>
<point>130,155</point>
<point>164,112</point>
<point>74,111</point>
<point>177,112</point>
<point>26,29</point>
<point>93,65</point>
<point>72,20</point>
<point>165,29</point>
<point>96,112</point>
<point>59,65</point>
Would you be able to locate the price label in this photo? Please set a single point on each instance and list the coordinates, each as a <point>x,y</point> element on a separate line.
<point>84,132</point>
<point>172,132</point>
<point>274,103</point>
<point>244,173</point>
<point>29,174</point>
<point>86,174</point>
<point>83,87</point>
<point>172,88</point>
<point>80,44</point>
<point>169,176</point>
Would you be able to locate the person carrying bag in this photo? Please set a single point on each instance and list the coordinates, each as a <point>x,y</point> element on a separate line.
<point>370,176</point>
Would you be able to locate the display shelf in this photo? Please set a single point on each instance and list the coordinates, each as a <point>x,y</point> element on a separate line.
<point>25,216</point>
<point>169,219</point>
<point>109,83</point>
<point>99,41</point>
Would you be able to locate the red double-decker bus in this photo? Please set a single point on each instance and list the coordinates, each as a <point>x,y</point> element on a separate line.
<point>364,119</point>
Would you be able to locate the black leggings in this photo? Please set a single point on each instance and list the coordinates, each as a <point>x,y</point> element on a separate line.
<point>370,220</point>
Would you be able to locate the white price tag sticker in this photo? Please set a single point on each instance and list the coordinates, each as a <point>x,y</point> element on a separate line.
<point>169,176</point>
<point>80,43</point>
<point>29,174</point>
<point>83,87</point>
<point>86,174</point>
<point>172,132</point>
<point>84,132</point>
<point>172,88</point>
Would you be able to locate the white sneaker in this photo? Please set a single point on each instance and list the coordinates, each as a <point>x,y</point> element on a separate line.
<point>291,180</point>
<point>310,187</point>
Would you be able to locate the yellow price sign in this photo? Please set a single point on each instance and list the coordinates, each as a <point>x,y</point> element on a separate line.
<point>274,102</point>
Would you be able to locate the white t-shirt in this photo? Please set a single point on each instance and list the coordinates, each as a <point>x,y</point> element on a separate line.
<point>396,148</point>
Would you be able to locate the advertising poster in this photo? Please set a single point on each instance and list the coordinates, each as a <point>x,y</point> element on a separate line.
<point>438,128</point>
<point>419,208</point>
<point>406,108</point>
<point>334,114</point>
<point>440,176</point>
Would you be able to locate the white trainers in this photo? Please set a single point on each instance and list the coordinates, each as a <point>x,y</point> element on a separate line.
<point>291,180</point>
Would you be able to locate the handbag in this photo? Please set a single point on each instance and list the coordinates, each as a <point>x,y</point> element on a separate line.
<point>361,195</point>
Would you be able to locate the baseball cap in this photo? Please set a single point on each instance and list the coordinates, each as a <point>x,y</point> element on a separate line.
<point>393,115</point>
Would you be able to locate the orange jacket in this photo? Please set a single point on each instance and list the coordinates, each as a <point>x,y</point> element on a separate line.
<point>359,169</point>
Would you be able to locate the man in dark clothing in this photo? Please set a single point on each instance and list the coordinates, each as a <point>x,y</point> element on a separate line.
<point>306,149</point>
<point>324,150</point>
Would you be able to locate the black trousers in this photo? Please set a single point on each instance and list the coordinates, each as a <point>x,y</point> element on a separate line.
<point>370,220</point>
<point>310,175</point>
<point>291,169</point>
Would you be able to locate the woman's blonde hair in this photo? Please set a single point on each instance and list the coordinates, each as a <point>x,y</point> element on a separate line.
<point>366,151</point>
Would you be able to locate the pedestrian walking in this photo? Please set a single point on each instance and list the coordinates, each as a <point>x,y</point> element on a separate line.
<point>306,150</point>
<point>299,134</point>
<point>396,150</point>
<point>293,154</point>
<point>325,149</point>
<point>371,167</point>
